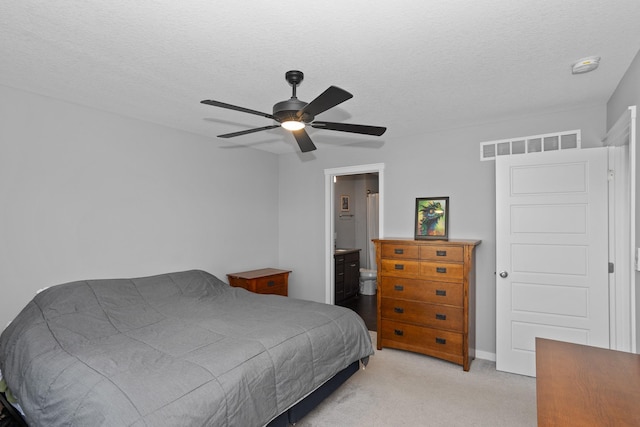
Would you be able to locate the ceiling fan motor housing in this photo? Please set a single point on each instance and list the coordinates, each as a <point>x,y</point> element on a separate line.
<point>287,110</point>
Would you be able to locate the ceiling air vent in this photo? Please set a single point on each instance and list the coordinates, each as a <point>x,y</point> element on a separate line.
<point>530,144</point>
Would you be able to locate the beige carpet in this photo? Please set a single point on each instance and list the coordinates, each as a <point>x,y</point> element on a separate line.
<point>400,388</point>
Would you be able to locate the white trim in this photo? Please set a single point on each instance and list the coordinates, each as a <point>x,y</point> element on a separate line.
<point>485,355</point>
<point>329,224</point>
<point>621,143</point>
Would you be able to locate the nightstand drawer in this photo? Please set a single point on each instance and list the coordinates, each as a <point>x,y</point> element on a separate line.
<point>269,284</point>
<point>423,314</point>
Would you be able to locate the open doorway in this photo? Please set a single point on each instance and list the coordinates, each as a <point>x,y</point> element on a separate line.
<point>347,236</point>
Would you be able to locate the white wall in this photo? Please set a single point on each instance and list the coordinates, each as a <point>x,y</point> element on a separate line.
<point>345,226</point>
<point>85,194</point>
<point>417,164</point>
<point>626,94</point>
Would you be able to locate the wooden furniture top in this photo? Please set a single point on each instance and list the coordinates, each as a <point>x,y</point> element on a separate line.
<point>579,385</point>
<point>338,252</point>
<point>261,272</point>
<point>409,240</point>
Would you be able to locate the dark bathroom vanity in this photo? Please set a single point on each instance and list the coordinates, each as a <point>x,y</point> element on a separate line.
<point>347,274</point>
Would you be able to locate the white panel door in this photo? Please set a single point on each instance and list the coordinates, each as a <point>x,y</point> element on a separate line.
<point>551,253</point>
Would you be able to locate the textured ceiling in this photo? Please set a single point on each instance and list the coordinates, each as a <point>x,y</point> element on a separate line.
<point>415,66</point>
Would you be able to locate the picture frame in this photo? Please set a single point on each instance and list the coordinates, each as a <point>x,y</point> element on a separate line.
<point>344,203</point>
<point>431,218</point>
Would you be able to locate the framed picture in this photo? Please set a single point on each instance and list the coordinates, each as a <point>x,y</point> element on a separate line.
<point>432,218</point>
<point>344,203</point>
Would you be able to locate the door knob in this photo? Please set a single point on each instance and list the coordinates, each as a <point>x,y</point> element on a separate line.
<point>503,274</point>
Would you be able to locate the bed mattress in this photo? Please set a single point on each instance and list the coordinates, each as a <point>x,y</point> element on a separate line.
<point>176,349</point>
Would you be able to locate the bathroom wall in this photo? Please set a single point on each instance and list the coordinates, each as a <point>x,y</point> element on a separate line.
<point>351,226</point>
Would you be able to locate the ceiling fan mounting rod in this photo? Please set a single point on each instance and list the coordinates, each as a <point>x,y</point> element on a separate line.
<point>294,77</point>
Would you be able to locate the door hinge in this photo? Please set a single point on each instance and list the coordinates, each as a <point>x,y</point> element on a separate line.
<point>611,175</point>
<point>611,267</point>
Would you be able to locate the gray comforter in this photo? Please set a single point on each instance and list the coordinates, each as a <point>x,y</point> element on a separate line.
<point>176,349</point>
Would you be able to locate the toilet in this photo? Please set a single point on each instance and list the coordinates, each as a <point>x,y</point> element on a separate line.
<point>368,279</point>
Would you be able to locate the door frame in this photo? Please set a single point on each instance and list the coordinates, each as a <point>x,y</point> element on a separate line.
<point>329,217</point>
<point>621,142</point>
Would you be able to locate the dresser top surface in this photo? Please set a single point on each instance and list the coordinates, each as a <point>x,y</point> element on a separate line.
<point>409,240</point>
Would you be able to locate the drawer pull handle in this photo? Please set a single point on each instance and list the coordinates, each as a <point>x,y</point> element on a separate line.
<point>398,288</point>
<point>441,253</point>
<point>398,310</point>
<point>398,332</point>
<point>398,251</point>
<point>341,274</point>
<point>352,265</point>
<point>441,292</point>
<point>441,341</point>
<point>271,283</point>
<point>441,269</point>
<point>340,259</point>
<point>441,316</point>
<point>399,266</point>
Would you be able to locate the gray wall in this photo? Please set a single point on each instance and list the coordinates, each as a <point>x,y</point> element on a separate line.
<point>86,194</point>
<point>417,164</point>
<point>626,94</point>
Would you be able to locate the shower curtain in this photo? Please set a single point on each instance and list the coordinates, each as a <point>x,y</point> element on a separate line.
<point>372,229</point>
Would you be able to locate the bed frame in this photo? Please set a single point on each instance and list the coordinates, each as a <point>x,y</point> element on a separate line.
<point>289,417</point>
<point>17,417</point>
<point>302,408</point>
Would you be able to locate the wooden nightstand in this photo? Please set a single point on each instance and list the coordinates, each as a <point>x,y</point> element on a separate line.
<point>262,281</point>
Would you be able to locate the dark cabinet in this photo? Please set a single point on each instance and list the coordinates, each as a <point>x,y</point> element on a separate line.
<point>347,274</point>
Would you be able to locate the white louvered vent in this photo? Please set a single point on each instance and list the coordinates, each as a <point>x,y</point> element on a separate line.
<point>530,144</point>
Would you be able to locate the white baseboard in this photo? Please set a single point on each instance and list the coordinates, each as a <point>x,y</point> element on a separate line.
<point>485,355</point>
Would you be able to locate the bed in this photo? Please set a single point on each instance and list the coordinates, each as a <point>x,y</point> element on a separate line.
<point>176,349</point>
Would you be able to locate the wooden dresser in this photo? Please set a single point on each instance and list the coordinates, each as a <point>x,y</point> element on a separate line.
<point>262,281</point>
<point>426,297</point>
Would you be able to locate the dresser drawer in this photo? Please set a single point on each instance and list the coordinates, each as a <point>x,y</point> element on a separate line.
<point>421,290</point>
<point>421,338</point>
<point>400,251</point>
<point>398,267</point>
<point>422,313</point>
<point>447,272</point>
<point>442,253</point>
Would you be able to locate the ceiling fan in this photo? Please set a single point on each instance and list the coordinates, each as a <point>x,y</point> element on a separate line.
<point>294,114</point>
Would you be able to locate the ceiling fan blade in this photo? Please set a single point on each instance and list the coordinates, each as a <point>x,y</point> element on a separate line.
<point>235,107</point>
<point>245,132</point>
<point>303,140</point>
<point>348,127</point>
<point>327,99</point>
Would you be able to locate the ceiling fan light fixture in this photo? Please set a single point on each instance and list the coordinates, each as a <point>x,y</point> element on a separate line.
<point>292,125</point>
